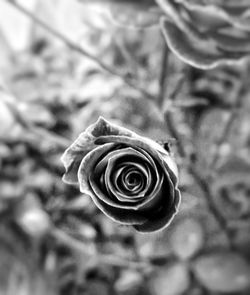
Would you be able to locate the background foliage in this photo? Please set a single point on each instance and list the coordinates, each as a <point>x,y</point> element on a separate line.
<point>176,71</point>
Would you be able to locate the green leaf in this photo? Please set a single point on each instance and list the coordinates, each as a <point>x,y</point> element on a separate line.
<point>223,272</point>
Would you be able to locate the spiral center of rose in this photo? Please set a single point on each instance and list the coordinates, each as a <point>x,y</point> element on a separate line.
<point>133,178</point>
<point>130,179</point>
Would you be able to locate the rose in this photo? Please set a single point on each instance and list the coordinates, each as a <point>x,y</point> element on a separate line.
<point>206,34</point>
<point>132,179</point>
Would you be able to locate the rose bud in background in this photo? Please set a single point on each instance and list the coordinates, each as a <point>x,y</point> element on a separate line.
<point>130,178</point>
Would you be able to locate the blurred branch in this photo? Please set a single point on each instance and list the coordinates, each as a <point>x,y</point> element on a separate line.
<point>237,96</point>
<point>76,245</point>
<point>179,83</point>
<point>79,49</point>
<point>163,74</point>
<point>201,182</point>
<point>40,132</point>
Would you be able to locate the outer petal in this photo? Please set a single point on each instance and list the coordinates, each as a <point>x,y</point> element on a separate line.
<point>124,216</point>
<point>171,168</point>
<point>161,219</point>
<point>85,142</point>
<point>88,164</point>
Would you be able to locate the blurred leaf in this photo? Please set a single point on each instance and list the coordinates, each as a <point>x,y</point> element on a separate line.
<point>20,271</point>
<point>10,194</point>
<point>133,14</point>
<point>127,110</point>
<point>7,119</point>
<point>97,287</point>
<point>31,217</point>
<point>206,138</point>
<point>170,280</point>
<point>37,114</point>
<point>132,18</point>
<point>128,281</point>
<point>234,170</point>
<point>11,19</point>
<point>187,238</point>
<point>223,272</point>
<point>154,245</point>
<point>242,239</point>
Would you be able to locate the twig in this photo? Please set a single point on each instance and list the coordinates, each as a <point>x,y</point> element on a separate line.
<point>234,114</point>
<point>40,132</point>
<point>202,183</point>
<point>213,208</point>
<point>179,84</point>
<point>80,247</point>
<point>163,74</point>
<point>79,49</point>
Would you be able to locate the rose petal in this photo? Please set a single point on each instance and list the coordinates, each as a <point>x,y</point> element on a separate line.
<point>115,178</point>
<point>124,215</point>
<point>124,196</point>
<point>171,168</point>
<point>201,53</point>
<point>85,143</point>
<point>103,127</point>
<point>128,133</point>
<point>129,191</point>
<point>143,143</point>
<point>152,198</point>
<point>107,196</point>
<point>162,218</point>
<point>118,155</point>
<point>88,163</point>
<point>87,180</point>
<point>163,160</point>
<point>141,177</point>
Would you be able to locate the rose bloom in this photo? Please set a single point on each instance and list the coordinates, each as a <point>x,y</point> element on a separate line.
<point>132,179</point>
